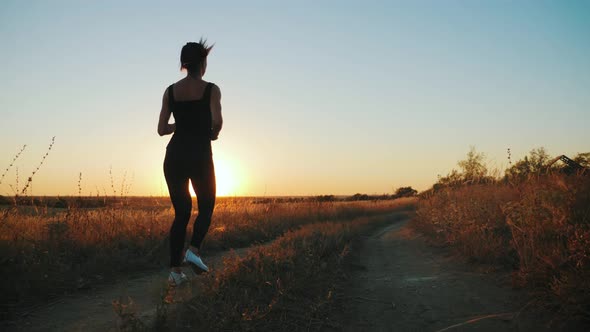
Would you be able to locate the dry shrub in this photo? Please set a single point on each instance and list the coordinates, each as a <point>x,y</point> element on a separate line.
<point>540,228</point>
<point>550,228</point>
<point>470,219</point>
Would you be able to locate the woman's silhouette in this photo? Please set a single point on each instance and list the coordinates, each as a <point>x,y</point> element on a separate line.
<point>196,106</point>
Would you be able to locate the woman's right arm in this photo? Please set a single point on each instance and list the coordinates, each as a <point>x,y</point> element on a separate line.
<point>165,128</point>
<point>216,118</point>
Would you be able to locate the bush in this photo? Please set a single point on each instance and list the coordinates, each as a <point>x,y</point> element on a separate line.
<point>539,228</point>
<point>405,192</point>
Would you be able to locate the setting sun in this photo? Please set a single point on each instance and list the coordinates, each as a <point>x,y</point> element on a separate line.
<point>226,177</point>
<point>227,181</point>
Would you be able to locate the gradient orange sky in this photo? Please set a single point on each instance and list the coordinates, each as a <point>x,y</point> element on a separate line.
<point>318,98</point>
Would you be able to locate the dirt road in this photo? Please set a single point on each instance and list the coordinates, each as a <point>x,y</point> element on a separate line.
<point>94,311</point>
<point>400,283</point>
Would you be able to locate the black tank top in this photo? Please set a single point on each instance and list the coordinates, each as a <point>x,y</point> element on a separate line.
<point>193,124</point>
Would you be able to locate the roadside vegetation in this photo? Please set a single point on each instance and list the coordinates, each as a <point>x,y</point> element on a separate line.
<point>534,220</point>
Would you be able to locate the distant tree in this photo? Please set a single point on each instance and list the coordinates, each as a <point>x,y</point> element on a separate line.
<point>538,159</point>
<point>359,197</point>
<point>454,178</point>
<point>535,162</point>
<point>472,170</point>
<point>405,192</point>
<point>473,167</point>
<point>583,159</point>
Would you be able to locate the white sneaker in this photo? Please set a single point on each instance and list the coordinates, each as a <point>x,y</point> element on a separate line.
<point>177,279</point>
<point>195,260</point>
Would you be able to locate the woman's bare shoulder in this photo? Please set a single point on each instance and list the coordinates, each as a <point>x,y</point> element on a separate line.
<point>214,87</point>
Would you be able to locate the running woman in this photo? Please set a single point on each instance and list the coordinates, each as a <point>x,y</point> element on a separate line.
<point>196,106</point>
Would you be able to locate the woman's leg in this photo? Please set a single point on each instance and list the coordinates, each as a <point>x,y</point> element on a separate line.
<point>204,186</point>
<point>181,200</point>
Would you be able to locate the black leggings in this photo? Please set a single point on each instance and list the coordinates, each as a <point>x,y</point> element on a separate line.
<point>178,170</point>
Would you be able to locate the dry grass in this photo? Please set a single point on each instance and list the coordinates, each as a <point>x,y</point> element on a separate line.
<point>540,228</point>
<point>289,284</point>
<point>46,252</point>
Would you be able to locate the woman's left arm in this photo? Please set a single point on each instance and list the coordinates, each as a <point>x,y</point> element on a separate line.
<point>165,128</point>
<point>216,118</point>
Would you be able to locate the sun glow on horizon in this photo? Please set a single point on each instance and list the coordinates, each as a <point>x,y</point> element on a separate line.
<point>226,177</point>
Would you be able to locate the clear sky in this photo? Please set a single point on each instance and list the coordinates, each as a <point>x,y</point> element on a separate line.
<point>319,97</point>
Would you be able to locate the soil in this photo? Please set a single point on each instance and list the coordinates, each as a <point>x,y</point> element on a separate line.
<point>398,282</point>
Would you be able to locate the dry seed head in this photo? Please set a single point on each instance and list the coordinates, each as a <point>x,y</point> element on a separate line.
<point>39,166</point>
<point>80,184</point>
<point>12,162</point>
<point>112,181</point>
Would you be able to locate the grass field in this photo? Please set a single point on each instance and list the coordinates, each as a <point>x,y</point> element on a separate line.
<point>54,249</point>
